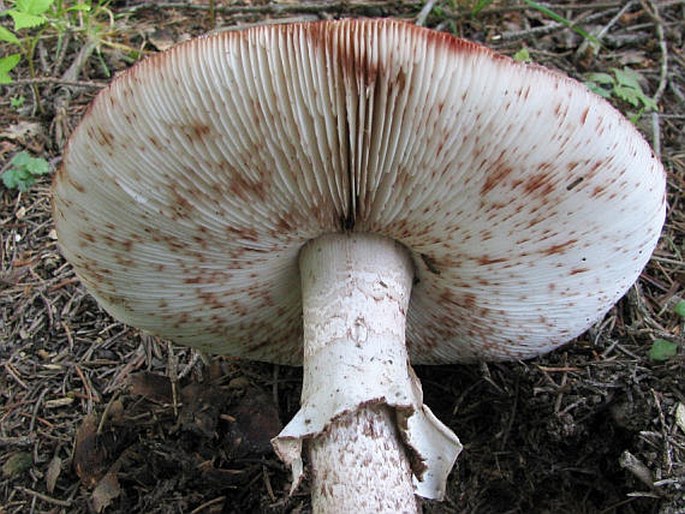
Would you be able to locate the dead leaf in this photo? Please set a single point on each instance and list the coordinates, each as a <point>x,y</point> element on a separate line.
<point>256,423</point>
<point>107,490</point>
<point>161,39</point>
<point>201,408</point>
<point>23,132</point>
<point>52,474</point>
<point>680,416</point>
<point>16,464</point>
<point>151,386</point>
<point>89,454</point>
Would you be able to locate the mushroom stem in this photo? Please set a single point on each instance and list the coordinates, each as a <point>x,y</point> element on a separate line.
<point>373,444</point>
<point>360,465</point>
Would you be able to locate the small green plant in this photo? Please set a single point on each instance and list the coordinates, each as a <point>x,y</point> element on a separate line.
<point>33,20</point>
<point>624,85</point>
<point>7,64</point>
<point>662,350</point>
<point>17,101</point>
<point>23,171</point>
<point>26,14</point>
<point>523,55</point>
<point>679,308</point>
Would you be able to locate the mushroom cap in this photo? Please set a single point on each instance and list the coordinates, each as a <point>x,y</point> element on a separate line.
<point>529,205</point>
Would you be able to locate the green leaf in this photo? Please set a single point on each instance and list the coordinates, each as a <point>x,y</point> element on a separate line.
<point>33,165</point>
<point>679,308</point>
<point>598,90</point>
<point>13,180</point>
<point>16,464</point>
<point>628,88</point>
<point>17,102</point>
<point>662,350</point>
<point>649,103</point>
<point>628,78</point>
<point>522,55</point>
<point>8,37</point>
<point>600,78</point>
<point>7,64</point>
<point>79,7</point>
<point>23,171</point>
<point>627,94</point>
<point>26,21</point>
<point>33,7</point>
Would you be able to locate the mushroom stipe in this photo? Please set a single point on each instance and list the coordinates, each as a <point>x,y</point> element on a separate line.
<point>352,196</point>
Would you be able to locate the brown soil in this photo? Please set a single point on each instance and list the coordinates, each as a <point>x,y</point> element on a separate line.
<point>96,416</point>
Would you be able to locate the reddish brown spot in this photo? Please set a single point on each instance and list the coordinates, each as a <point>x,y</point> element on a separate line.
<point>75,184</point>
<point>576,271</point>
<point>182,208</point>
<point>595,167</point>
<point>539,184</point>
<point>201,242</point>
<point>210,299</point>
<point>124,261</point>
<point>558,249</point>
<point>583,116</point>
<point>200,129</point>
<point>106,137</point>
<point>498,174</point>
<point>597,191</point>
<point>155,142</point>
<point>87,236</point>
<point>246,189</point>
<point>248,234</point>
<point>485,260</point>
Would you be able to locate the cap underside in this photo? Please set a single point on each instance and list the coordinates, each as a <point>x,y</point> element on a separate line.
<point>529,204</point>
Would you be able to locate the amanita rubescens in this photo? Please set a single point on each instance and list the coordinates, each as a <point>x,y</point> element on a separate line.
<point>351,196</point>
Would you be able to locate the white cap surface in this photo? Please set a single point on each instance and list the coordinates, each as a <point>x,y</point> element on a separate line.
<point>529,205</point>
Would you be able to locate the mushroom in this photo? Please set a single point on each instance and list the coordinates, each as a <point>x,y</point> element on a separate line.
<point>350,196</point>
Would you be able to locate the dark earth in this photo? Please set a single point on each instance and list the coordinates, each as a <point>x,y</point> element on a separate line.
<point>96,416</point>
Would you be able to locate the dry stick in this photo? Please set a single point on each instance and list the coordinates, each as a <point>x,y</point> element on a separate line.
<point>196,356</point>
<point>172,373</point>
<point>667,457</point>
<point>631,463</point>
<point>208,504</point>
<point>23,440</point>
<point>425,11</point>
<point>595,48</point>
<point>652,10</point>
<point>547,29</point>
<point>59,81</point>
<point>36,408</point>
<point>15,375</point>
<point>57,65</point>
<point>60,125</point>
<point>44,497</point>
<point>267,482</point>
